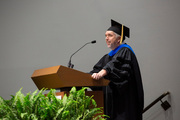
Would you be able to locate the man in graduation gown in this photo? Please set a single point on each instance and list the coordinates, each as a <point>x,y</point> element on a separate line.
<point>124,97</point>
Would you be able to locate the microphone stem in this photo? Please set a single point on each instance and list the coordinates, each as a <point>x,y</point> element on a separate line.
<point>79,49</point>
<point>70,65</point>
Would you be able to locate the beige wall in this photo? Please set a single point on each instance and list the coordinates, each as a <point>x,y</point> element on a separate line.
<point>41,33</point>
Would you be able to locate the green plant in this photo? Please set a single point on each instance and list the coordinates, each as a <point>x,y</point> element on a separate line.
<point>37,106</point>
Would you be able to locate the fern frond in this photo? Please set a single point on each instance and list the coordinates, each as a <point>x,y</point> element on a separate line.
<point>59,112</point>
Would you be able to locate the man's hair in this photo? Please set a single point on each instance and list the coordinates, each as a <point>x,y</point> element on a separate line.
<point>117,35</point>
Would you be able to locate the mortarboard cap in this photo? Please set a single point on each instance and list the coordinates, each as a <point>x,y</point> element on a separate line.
<point>117,28</point>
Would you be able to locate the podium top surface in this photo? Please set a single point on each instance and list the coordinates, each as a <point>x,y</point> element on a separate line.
<point>62,77</point>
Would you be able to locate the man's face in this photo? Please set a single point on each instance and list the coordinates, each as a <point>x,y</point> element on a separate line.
<point>111,40</point>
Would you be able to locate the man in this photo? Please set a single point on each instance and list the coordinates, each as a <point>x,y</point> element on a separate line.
<point>124,97</point>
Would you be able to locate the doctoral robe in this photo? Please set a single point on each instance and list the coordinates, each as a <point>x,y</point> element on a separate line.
<point>124,97</point>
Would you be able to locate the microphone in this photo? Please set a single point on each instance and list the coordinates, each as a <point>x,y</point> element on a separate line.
<point>70,65</point>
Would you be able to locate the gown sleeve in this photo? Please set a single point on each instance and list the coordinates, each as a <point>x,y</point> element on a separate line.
<point>100,64</point>
<point>119,69</point>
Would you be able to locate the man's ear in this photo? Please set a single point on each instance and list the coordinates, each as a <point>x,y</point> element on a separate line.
<point>119,39</point>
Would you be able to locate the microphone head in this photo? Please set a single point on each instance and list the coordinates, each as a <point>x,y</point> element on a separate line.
<point>94,41</point>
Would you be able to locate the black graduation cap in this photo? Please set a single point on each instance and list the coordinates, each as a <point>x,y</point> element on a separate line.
<point>117,28</point>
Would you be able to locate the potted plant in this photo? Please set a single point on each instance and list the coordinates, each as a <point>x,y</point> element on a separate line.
<point>37,106</point>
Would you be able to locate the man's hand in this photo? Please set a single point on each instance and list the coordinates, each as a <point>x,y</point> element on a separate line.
<point>99,75</point>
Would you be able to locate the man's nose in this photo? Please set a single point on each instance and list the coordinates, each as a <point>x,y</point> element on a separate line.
<point>106,38</point>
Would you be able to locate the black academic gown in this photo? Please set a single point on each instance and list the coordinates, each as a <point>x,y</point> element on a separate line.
<point>124,98</point>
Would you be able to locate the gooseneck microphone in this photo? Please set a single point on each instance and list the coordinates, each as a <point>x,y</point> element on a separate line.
<point>70,65</point>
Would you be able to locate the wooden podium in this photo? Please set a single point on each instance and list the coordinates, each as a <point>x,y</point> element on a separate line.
<point>63,77</point>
